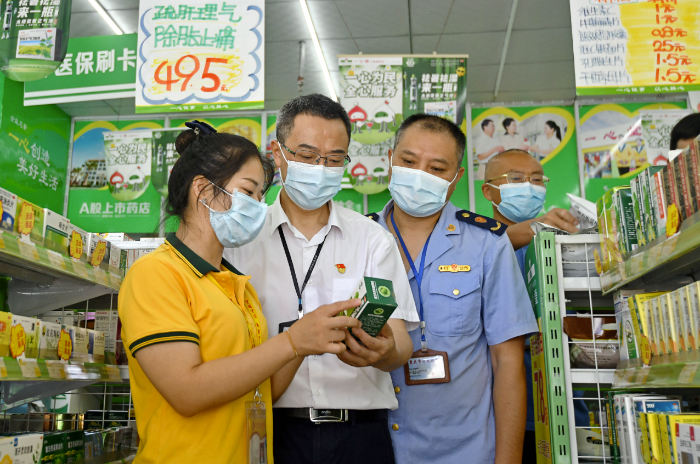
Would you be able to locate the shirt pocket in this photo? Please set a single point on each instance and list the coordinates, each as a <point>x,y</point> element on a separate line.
<point>454,306</point>
<point>343,289</point>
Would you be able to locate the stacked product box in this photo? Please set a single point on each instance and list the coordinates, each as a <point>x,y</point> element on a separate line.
<point>108,322</point>
<point>56,232</point>
<point>658,200</point>
<point>24,337</point>
<point>629,346</point>
<point>95,240</point>
<point>127,253</point>
<point>99,419</point>
<point>82,241</point>
<point>8,200</point>
<point>610,249</point>
<point>48,340</point>
<point>623,215</point>
<point>29,222</point>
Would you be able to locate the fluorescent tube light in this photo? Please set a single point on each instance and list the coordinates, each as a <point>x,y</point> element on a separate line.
<point>317,46</point>
<point>106,17</point>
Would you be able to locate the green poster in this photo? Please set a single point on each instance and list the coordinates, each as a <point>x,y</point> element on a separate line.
<point>113,193</point>
<point>34,37</point>
<point>164,158</point>
<point>435,85</point>
<point>613,147</point>
<point>34,147</point>
<point>547,133</point>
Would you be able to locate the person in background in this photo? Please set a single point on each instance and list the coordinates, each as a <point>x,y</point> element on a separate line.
<point>312,251</point>
<point>516,187</point>
<point>197,341</point>
<point>487,146</point>
<point>474,310</point>
<point>511,139</point>
<point>685,131</point>
<point>546,143</point>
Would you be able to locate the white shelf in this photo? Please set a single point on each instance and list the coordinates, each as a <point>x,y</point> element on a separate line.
<point>124,371</point>
<point>580,284</point>
<point>591,376</point>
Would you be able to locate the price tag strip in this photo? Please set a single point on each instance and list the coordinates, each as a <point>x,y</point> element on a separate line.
<point>642,375</point>
<point>3,368</point>
<point>57,369</point>
<point>113,373</point>
<point>637,263</point>
<point>28,251</point>
<point>688,373</point>
<point>56,260</point>
<point>100,276</point>
<point>30,368</point>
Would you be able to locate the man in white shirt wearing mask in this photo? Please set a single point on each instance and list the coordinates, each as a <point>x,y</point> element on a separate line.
<point>312,252</point>
<point>487,146</point>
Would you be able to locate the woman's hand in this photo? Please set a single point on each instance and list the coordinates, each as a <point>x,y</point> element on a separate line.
<point>320,331</point>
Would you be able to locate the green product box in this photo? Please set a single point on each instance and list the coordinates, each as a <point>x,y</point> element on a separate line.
<point>74,445</point>
<point>602,227</point>
<point>610,246</point>
<point>643,228</point>
<point>378,303</point>
<point>658,195</point>
<point>638,211</point>
<point>93,419</point>
<point>650,205</point>
<point>36,235</point>
<point>624,214</point>
<point>56,231</point>
<point>680,186</point>
<point>54,449</point>
<point>8,200</point>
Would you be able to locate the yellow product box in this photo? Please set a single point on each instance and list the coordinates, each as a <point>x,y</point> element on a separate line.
<point>8,211</point>
<point>79,340</point>
<point>692,293</point>
<point>29,222</point>
<point>662,334</point>
<point>647,316</point>
<point>24,337</point>
<point>655,422</point>
<point>643,437</point>
<point>669,432</point>
<point>48,342</point>
<point>666,310</point>
<point>680,298</point>
<point>677,321</point>
<point>641,319</point>
<point>5,326</point>
<point>78,242</point>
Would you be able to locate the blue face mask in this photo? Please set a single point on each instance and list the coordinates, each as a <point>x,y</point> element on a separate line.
<point>521,202</point>
<point>311,186</point>
<point>241,223</point>
<point>418,193</point>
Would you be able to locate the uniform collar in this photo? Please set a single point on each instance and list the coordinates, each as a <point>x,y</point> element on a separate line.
<point>195,262</point>
<point>277,216</point>
<point>440,243</point>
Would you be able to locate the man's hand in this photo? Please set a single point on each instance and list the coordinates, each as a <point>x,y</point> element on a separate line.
<point>500,148</point>
<point>375,350</point>
<point>559,218</point>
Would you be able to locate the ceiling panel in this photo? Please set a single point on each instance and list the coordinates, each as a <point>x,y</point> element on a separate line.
<point>281,86</point>
<point>542,14</point>
<point>481,78</point>
<point>536,95</point>
<point>328,22</point>
<point>283,58</point>
<point>483,48</point>
<point>479,97</point>
<point>88,24</point>
<point>479,16</point>
<point>429,17</point>
<point>384,45</point>
<point>372,18</point>
<point>333,48</point>
<point>538,76</point>
<point>285,22</point>
<point>540,46</point>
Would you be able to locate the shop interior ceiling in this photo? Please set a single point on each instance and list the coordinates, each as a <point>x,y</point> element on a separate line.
<point>536,64</point>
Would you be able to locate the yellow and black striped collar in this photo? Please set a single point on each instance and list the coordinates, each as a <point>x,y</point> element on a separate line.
<point>198,265</point>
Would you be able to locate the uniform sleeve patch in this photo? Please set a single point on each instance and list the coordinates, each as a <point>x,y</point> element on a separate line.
<point>163,337</point>
<point>484,222</point>
<point>373,216</point>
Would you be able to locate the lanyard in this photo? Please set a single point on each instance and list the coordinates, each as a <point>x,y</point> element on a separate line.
<point>291,267</point>
<point>254,329</point>
<point>418,275</point>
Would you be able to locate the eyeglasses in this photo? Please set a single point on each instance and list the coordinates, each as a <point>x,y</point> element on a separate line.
<point>309,157</point>
<point>520,178</point>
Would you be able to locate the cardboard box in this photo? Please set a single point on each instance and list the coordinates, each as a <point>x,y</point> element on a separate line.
<point>24,337</point>
<point>93,444</point>
<point>662,406</point>
<point>686,443</point>
<point>378,302</point>
<point>56,231</point>
<point>669,186</point>
<point>85,241</point>
<point>629,348</point>
<point>94,419</point>
<point>53,451</point>
<point>661,332</point>
<point>666,310</point>
<point>692,293</point>
<point>677,322</point>
<point>48,341</point>
<point>647,405</point>
<point>669,433</point>
<point>641,312</point>
<point>638,210</point>
<point>680,301</point>
<point>27,448</point>
<point>74,445</point>
<point>36,234</point>
<point>116,237</point>
<point>5,326</point>
<point>8,200</point>
<point>94,240</point>
<point>658,196</point>
<point>129,253</point>
<point>680,184</point>
<point>603,231</point>
<point>650,204</point>
<point>78,337</point>
<point>624,216</point>
<point>107,322</point>
<point>96,346</point>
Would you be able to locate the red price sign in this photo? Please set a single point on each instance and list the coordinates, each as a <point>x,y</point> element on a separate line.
<point>185,69</point>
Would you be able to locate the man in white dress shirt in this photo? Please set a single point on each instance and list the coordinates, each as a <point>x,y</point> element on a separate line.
<point>312,252</point>
<point>487,146</point>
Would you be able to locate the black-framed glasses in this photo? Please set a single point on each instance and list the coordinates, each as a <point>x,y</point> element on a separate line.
<point>309,157</point>
<point>520,178</point>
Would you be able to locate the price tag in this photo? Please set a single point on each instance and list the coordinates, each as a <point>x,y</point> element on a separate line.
<point>18,340</point>
<point>98,254</point>
<point>672,220</point>
<point>645,348</point>
<point>25,222</point>
<point>30,368</point>
<point>100,276</point>
<point>29,251</point>
<point>76,245</point>
<point>629,375</point>
<point>3,368</point>
<point>642,375</point>
<point>113,372</point>
<point>65,345</point>
<point>56,259</point>
<point>670,245</point>
<point>637,263</point>
<point>688,373</point>
<point>654,255</point>
<point>57,369</point>
<point>617,377</point>
<point>79,268</point>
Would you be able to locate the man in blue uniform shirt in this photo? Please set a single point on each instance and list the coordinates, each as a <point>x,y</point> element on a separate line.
<point>463,399</point>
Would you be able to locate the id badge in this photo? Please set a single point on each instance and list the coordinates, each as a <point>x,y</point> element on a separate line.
<point>284,326</point>
<point>427,367</point>
<point>257,432</point>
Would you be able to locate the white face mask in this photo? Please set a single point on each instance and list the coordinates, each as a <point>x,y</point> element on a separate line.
<point>311,186</point>
<point>418,193</point>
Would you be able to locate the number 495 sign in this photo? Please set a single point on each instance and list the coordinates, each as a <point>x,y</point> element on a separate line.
<point>200,55</point>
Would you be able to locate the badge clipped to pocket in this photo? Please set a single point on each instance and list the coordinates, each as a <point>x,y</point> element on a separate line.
<point>284,326</point>
<point>256,421</point>
<point>428,366</point>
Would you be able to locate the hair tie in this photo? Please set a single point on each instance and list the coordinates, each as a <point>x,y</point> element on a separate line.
<point>200,127</point>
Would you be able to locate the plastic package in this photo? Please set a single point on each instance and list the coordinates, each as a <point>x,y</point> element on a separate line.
<point>583,351</point>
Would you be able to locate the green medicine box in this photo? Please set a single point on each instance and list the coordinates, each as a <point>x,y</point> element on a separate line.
<point>378,304</point>
<point>54,449</point>
<point>74,443</point>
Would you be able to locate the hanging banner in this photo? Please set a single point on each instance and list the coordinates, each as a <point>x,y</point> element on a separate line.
<point>34,37</point>
<point>110,180</point>
<point>613,146</point>
<point>95,68</point>
<point>164,158</point>
<point>372,94</point>
<point>547,133</point>
<point>636,47</point>
<point>200,55</point>
<point>435,85</point>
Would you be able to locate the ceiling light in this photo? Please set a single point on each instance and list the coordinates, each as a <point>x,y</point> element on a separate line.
<point>317,46</point>
<point>106,17</point>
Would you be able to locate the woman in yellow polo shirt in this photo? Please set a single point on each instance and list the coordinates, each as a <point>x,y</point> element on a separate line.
<point>202,372</point>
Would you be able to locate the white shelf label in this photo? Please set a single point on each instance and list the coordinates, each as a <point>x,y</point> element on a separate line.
<point>637,263</point>
<point>113,372</point>
<point>57,369</point>
<point>79,268</point>
<point>688,373</point>
<point>100,276</point>
<point>56,259</point>
<point>30,368</point>
<point>28,250</point>
<point>642,375</point>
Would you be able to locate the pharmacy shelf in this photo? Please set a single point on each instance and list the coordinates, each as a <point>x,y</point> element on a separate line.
<point>582,284</point>
<point>122,456</point>
<point>579,376</point>
<point>658,261</point>
<point>677,370</point>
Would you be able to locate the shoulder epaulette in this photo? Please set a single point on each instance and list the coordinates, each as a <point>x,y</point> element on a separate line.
<point>481,221</point>
<point>373,216</point>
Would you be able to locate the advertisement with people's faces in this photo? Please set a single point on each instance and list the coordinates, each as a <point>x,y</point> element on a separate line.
<point>546,133</point>
<point>618,141</point>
